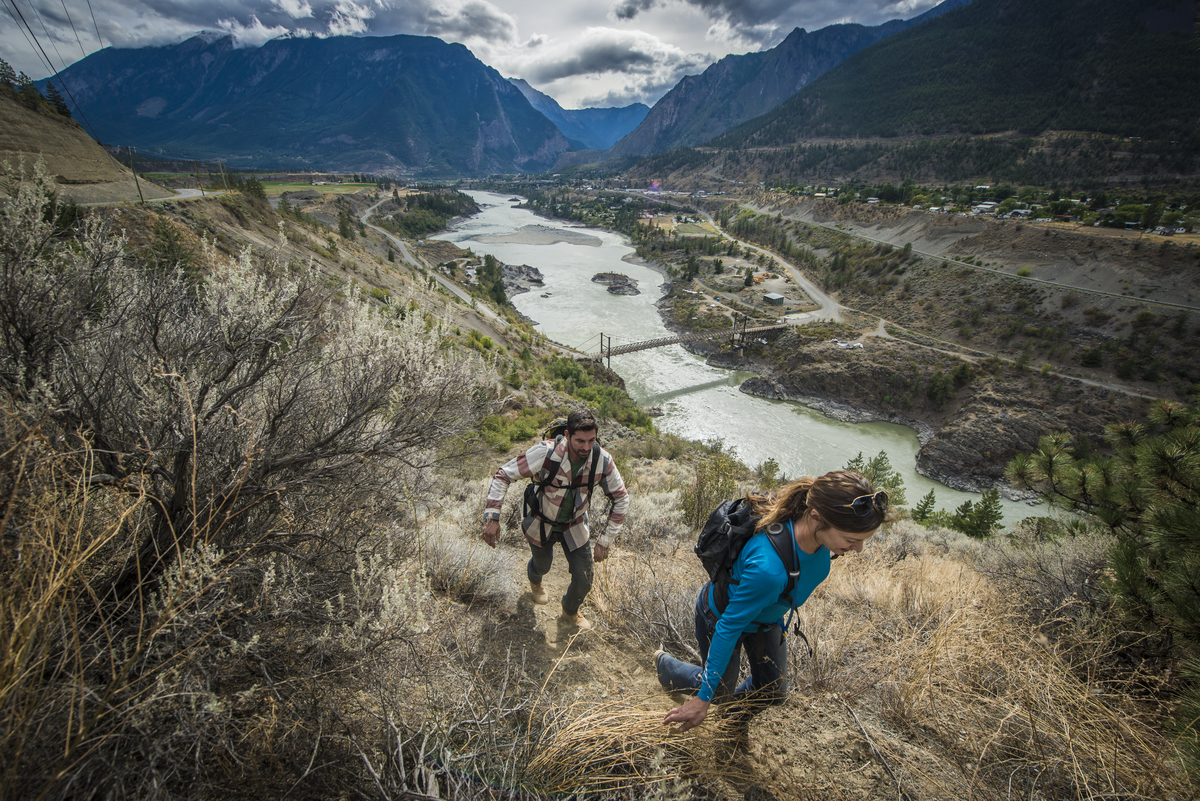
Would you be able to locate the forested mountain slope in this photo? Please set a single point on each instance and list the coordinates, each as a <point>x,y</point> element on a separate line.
<point>741,87</point>
<point>1131,69</point>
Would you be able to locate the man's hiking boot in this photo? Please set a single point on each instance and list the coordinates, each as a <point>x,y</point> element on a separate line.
<point>539,594</point>
<point>577,620</point>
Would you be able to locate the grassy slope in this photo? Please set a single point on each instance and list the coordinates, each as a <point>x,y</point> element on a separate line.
<point>954,679</point>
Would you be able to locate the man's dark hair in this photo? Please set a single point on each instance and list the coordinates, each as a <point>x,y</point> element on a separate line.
<point>581,420</point>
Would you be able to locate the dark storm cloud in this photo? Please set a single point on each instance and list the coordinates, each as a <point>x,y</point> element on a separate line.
<point>597,59</point>
<point>137,23</point>
<point>756,19</point>
<point>628,9</point>
<point>607,51</point>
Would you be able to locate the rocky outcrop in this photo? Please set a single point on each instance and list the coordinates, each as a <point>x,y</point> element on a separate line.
<point>520,278</point>
<point>838,410</point>
<point>618,284</point>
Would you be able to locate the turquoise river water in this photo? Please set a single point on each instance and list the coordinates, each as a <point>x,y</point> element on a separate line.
<point>699,401</point>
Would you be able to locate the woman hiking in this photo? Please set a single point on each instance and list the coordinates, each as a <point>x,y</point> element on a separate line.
<point>823,517</point>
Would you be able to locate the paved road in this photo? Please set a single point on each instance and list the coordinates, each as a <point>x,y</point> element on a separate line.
<point>831,310</point>
<point>458,291</point>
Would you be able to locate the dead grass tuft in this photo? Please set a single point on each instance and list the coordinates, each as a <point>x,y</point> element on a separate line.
<point>619,748</point>
<point>943,657</point>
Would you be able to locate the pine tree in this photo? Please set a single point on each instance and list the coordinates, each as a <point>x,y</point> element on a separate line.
<point>30,96</point>
<point>254,188</point>
<point>345,227</point>
<point>1148,495</point>
<point>978,519</point>
<point>7,76</point>
<point>57,101</point>
<point>878,470</point>
<point>923,509</point>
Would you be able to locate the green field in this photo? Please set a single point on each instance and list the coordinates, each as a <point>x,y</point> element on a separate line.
<point>332,189</point>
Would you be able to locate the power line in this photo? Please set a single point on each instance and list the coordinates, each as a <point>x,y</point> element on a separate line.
<point>45,58</point>
<point>48,62</point>
<point>95,77</point>
<point>100,39</point>
<point>58,73</point>
<point>23,33</point>
<point>46,31</point>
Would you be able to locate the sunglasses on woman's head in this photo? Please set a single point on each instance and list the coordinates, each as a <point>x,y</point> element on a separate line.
<point>862,505</point>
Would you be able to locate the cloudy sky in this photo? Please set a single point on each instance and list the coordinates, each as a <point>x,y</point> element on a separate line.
<point>583,53</point>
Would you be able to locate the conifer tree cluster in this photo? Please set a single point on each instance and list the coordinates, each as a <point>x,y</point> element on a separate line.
<point>21,86</point>
<point>1148,495</point>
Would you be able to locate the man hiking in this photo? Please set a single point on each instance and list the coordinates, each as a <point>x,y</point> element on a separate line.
<point>564,470</point>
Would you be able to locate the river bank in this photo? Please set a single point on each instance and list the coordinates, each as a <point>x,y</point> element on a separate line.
<point>971,417</point>
<point>700,400</point>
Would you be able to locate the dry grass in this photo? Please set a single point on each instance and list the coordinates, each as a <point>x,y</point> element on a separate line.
<point>942,659</point>
<point>51,546</point>
<point>617,748</point>
<point>256,678</point>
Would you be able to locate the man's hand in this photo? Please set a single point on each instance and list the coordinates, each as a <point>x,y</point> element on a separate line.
<point>491,532</point>
<point>688,716</point>
<point>599,553</point>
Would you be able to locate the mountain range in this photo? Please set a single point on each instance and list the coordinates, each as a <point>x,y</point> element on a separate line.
<point>995,70</point>
<point>407,105</point>
<point>586,128</point>
<point>400,105</point>
<point>740,87</point>
<point>1024,66</point>
<point>1072,94</point>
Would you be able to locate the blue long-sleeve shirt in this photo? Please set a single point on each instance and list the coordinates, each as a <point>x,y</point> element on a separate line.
<point>755,600</point>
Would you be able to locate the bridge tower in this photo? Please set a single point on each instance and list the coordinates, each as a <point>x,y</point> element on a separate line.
<point>739,330</point>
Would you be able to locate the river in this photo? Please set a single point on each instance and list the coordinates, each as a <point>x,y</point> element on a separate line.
<point>699,401</point>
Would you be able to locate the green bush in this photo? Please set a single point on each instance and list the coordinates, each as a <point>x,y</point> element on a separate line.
<point>714,480</point>
<point>978,519</point>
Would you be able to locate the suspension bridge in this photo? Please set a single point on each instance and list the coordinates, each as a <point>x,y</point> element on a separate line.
<point>738,335</point>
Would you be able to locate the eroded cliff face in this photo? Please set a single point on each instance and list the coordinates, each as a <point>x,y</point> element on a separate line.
<point>969,431</point>
<point>83,169</point>
<point>1087,258</point>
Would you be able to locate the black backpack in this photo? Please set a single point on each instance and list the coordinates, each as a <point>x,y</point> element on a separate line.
<point>532,502</point>
<point>721,540</point>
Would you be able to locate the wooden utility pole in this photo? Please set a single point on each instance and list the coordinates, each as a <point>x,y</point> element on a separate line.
<point>221,166</point>
<point>133,169</point>
<point>199,183</point>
